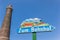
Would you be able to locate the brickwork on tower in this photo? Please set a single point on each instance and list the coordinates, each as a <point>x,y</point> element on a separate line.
<point>5,29</point>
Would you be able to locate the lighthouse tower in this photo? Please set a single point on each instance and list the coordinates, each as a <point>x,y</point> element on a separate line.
<point>5,30</point>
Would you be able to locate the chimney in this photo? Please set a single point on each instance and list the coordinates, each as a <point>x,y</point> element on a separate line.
<point>5,30</point>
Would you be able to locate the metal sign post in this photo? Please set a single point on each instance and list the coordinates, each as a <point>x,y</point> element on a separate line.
<point>34,36</point>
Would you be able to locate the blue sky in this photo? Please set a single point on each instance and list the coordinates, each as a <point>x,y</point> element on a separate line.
<point>47,10</point>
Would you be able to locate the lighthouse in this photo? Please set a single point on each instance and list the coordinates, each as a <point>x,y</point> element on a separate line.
<point>5,29</point>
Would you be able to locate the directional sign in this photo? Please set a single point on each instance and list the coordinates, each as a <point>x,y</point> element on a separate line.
<point>34,25</point>
<point>36,29</point>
